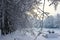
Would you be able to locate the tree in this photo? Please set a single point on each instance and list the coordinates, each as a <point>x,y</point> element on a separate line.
<point>57,22</point>
<point>49,22</point>
<point>5,29</point>
<point>14,14</point>
<point>43,12</point>
<point>55,2</point>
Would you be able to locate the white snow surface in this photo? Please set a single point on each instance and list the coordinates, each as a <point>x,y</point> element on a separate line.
<point>17,35</point>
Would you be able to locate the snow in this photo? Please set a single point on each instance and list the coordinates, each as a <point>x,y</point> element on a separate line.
<point>17,35</point>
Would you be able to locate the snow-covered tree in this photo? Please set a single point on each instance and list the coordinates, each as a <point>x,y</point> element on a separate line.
<point>57,21</point>
<point>49,22</point>
<point>14,14</point>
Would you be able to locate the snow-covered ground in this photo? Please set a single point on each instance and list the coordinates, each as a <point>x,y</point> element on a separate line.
<point>17,35</point>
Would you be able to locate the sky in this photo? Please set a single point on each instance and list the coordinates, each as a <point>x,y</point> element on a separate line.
<point>50,9</point>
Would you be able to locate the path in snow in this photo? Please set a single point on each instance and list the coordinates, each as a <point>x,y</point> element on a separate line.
<point>20,36</point>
